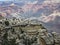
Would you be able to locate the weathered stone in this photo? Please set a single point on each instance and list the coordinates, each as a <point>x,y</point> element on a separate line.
<point>14,32</point>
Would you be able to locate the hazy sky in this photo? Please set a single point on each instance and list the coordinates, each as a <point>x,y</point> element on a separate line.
<point>6,0</point>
